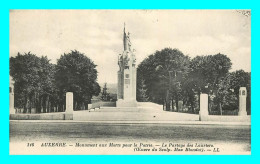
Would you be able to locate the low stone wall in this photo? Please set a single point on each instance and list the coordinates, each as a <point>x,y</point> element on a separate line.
<point>134,114</point>
<point>40,116</point>
<point>226,118</point>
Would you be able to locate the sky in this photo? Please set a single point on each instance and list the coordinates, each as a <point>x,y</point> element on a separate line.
<point>99,34</point>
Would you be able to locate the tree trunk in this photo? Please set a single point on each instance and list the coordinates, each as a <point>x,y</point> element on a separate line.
<point>192,107</point>
<point>210,105</point>
<point>167,101</point>
<point>220,108</point>
<point>36,103</point>
<point>42,106</point>
<point>86,106</point>
<point>59,107</point>
<point>164,104</point>
<point>50,106</point>
<point>172,105</point>
<point>199,99</point>
<point>25,105</point>
<point>82,106</point>
<point>47,104</point>
<point>30,105</point>
<point>177,103</point>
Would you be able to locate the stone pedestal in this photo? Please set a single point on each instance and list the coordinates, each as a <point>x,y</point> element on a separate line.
<point>69,106</point>
<point>126,103</point>
<point>203,106</point>
<point>242,101</point>
<point>11,96</point>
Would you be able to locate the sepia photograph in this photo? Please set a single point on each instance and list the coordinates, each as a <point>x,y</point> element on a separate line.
<point>130,82</point>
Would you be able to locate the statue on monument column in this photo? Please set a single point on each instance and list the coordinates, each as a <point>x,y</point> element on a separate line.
<point>120,62</point>
<point>129,42</point>
<point>126,61</point>
<point>134,61</point>
<point>126,40</point>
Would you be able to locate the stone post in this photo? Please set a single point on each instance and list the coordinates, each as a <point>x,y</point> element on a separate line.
<point>69,106</point>
<point>11,96</point>
<point>203,107</point>
<point>242,101</point>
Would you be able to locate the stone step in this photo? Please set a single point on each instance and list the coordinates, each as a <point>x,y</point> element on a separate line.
<point>115,109</point>
<point>132,115</point>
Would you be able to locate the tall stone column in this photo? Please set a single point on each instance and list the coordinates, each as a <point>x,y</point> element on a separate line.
<point>242,101</point>
<point>119,85</point>
<point>127,85</point>
<point>203,107</point>
<point>11,96</point>
<point>69,106</point>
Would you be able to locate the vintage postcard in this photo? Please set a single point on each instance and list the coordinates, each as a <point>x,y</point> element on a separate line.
<point>130,82</point>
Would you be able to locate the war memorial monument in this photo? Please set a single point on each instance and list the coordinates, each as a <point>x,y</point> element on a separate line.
<point>126,90</point>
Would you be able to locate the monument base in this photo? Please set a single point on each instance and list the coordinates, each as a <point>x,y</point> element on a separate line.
<point>12,111</point>
<point>126,103</point>
<point>242,113</point>
<point>68,116</point>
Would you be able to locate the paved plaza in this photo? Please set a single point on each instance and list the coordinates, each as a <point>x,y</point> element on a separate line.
<point>232,138</point>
